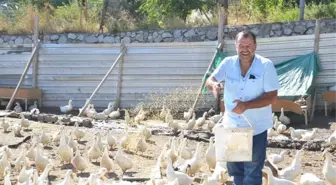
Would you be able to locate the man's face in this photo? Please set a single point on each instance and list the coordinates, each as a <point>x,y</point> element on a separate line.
<point>245,48</point>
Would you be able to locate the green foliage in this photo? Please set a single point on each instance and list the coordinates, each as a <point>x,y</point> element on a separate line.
<point>282,15</point>
<point>321,11</point>
<point>64,16</point>
<point>261,9</point>
<point>163,10</point>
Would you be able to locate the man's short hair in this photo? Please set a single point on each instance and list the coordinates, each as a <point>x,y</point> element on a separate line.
<point>246,34</point>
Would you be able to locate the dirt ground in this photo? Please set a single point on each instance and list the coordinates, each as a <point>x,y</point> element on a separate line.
<point>143,164</point>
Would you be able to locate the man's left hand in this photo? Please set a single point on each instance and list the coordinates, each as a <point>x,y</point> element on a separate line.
<point>240,107</point>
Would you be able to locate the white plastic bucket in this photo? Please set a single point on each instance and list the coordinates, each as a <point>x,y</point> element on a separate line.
<point>233,144</point>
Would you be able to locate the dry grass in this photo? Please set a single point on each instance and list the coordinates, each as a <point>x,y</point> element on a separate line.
<point>177,100</point>
<point>67,19</point>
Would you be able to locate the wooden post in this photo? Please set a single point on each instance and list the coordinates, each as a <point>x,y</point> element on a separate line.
<point>220,24</point>
<point>102,81</point>
<point>316,49</point>
<point>22,76</point>
<point>36,42</point>
<point>317,36</point>
<point>302,7</point>
<point>223,14</point>
<point>120,69</point>
<point>226,12</point>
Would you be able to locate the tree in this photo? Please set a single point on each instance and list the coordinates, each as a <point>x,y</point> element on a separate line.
<point>160,10</point>
<point>262,8</point>
<point>103,16</point>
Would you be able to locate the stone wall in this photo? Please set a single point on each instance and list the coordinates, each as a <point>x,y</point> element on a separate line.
<point>180,35</point>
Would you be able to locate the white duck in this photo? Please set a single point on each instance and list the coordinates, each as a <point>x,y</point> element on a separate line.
<point>210,154</point>
<point>4,163</point>
<point>208,181</point>
<point>57,135</point>
<point>106,161</point>
<point>294,170</point>
<point>163,113</point>
<point>183,151</point>
<point>271,132</point>
<point>111,140</point>
<point>146,132</point>
<point>332,139</point>
<point>66,108</point>
<point>172,175</point>
<point>195,162</point>
<point>85,111</point>
<point>79,162</point>
<point>18,108</point>
<point>284,119</point>
<point>220,173</point>
<point>191,123</point>
<point>297,133</point>
<point>201,121</point>
<point>310,179</point>
<point>40,161</point>
<point>277,158</point>
<point>309,135</point>
<point>115,114</point>
<point>24,174</point>
<point>99,116</point>
<point>275,181</point>
<point>35,111</point>
<point>78,133</point>
<point>187,115</point>
<point>6,173</point>
<point>94,152</point>
<point>22,158</point>
<point>281,128</point>
<point>45,139</point>
<point>7,150</point>
<point>34,106</point>
<point>5,125</point>
<point>67,179</point>
<point>17,130</point>
<point>141,144</point>
<point>329,171</point>
<point>91,112</point>
<point>109,109</point>
<point>44,176</point>
<point>123,161</point>
<point>169,117</point>
<point>64,150</point>
<point>216,118</point>
<point>25,123</point>
<point>210,124</point>
<point>127,117</point>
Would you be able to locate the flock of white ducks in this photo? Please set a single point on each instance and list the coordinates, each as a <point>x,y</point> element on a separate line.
<point>294,170</point>
<point>280,126</point>
<point>175,161</point>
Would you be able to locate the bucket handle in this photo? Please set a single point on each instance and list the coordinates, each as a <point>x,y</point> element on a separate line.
<point>241,115</point>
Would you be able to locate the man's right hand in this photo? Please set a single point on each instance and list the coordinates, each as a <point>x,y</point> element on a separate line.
<point>216,88</point>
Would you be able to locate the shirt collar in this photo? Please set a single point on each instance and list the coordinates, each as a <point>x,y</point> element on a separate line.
<point>251,67</point>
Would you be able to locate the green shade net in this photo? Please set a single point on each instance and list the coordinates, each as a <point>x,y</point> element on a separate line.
<point>218,59</point>
<point>296,75</point>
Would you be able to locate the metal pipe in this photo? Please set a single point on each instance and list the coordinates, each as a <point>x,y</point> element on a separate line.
<point>23,75</point>
<point>102,81</point>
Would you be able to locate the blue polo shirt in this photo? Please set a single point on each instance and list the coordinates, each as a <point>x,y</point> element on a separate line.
<point>260,78</point>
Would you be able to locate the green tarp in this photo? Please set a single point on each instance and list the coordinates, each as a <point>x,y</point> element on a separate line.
<point>295,75</point>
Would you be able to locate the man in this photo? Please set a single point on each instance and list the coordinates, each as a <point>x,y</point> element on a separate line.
<point>251,85</point>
